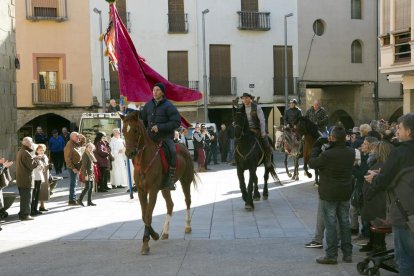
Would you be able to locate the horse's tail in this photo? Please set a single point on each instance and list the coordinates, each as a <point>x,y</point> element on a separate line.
<point>196,179</point>
<point>188,160</point>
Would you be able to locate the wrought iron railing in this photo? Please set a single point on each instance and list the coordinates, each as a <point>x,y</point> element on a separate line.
<point>223,86</point>
<point>58,94</point>
<point>46,10</point>
<point>187,83</point>
<point>250,20</point>
<point>177,23</point>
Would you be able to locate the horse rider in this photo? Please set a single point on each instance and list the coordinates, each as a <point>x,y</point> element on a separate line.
<point>161,118</point>
<point>292,114</point>
<point>257,124</point>
<point>318,116</point>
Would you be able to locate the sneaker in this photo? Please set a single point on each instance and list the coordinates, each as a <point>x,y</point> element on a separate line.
<point>361,240</point>
<point>326,260</point>
<point>314,244</point>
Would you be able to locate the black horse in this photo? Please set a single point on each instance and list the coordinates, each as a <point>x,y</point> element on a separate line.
<point>309,131</point>
<point>249,154</point>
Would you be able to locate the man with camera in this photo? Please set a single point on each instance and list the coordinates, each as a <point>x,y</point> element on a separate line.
<point>335,187</point>
<point>400,188</point>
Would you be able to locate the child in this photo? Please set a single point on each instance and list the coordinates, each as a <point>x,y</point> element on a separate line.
<point>39,177</point>
<point>88,159</point>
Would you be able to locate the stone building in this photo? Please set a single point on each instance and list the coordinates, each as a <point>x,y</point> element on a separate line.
<point>8,64</point>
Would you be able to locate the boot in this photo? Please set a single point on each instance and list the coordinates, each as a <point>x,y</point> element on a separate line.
<point>170,183</point>
<point>90,203</point>
<point>79,201</point>
<point>267,152</point>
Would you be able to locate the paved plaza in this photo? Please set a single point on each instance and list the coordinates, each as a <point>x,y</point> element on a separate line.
<point>225,239</point>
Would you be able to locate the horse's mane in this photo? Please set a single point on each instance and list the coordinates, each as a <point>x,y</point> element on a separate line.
<point>133,117</point>
<point>310,127</point>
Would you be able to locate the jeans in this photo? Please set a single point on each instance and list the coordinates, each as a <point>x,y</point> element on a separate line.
<point>72,186</point>
<point>25,200</point>
<point>404,249</point>
<point>334,211</point>
<point>231,151</point>
<point>320,226</point>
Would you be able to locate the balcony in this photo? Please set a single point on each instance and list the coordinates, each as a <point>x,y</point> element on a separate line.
<point>55,95</point>
<point>55,10</point>
<point>177,23</point>
<point>279,86</point>
<point>402,51</point>
<point>223,86</point>
<point>254,21</point>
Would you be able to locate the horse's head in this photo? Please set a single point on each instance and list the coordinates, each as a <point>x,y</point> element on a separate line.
<point>134,131</point>
<point>240,124</point>
<point>305,126</point>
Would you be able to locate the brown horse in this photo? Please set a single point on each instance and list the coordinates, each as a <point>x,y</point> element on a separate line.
<point>148,175</point>
<point>310,133</point>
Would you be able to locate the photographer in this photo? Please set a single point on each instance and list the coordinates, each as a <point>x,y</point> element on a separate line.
<point>213,146</point>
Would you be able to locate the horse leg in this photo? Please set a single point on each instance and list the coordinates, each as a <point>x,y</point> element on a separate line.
<point>256,194</point>
<point>143,200</point>
<point>286,166</point>
<point>249,202</point>
<point>316,177</point>
<point>265,190</point>
<point>170,205</point>
<point>240,175</point>
<point>149,231</point>
<point>296,172</point>
<point>186,185</point>
<point>305,168</point>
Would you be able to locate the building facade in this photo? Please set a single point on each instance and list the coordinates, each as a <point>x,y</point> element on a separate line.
<point>60,62</point>
<point>332,54</point>
<point>8,65</point>
<point>396,43</point>
<point>338,54</point>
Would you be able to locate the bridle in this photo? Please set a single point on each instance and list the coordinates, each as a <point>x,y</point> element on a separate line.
<point>241,127</point>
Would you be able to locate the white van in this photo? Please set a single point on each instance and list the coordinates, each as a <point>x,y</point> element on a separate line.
<point>189,135</point>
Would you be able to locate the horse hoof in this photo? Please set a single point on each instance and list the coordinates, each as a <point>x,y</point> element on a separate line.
<point>256,198</point>
<point>296,178</point>
<point>289,175</point>
<point>155,236</point>
<point>188,230</point>
<point>265,197</point>
<point>248,207</point>
<point>164,236</point>
<point>309,175</point>
<point>145,250</point>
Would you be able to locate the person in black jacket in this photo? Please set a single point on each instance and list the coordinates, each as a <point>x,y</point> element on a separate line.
<point>161,118</point>
<point>335,187</point>
<point>399,159</point>
<point>292,114</point>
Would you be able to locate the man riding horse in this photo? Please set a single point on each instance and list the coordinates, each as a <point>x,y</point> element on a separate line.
<point>292,114</point>
<point>161,119</point>
<point>257,124</point>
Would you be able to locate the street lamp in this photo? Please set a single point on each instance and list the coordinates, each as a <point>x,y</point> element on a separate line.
<point>95,10</point>
<point>286,73</point>
<point>205,67</point>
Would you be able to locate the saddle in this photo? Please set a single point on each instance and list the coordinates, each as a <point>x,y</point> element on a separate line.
<point>165,155</point>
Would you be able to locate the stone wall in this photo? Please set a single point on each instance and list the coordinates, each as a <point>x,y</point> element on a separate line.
<point>8,133</point>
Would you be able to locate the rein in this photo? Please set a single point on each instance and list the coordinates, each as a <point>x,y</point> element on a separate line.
<point>244,157</point>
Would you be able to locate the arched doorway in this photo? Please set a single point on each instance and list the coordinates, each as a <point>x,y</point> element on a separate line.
<point>343,117</point>
<point>48,122</point>
<point>397,114</point>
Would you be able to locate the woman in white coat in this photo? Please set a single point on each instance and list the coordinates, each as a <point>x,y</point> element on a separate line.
<point>119,176</point>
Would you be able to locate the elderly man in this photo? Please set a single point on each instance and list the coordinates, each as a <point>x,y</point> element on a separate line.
<point>335,170</point>
<point>73,158</point>
<point>113,107</point>
<point>317,115</point>
<point>257,124</point>
<point>26,162</point>
<point>400,190</point>
<point>161,118</point>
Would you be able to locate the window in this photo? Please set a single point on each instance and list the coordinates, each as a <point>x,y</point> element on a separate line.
<point>220,70</point>
<point>279,70</point>
<point>319,27</point>
<point>249,5</point>
<point>177,19</point>
<point>46,10</point>
<point>178,67</point>
<point>356,9</point>
<point>48,79</point>
<point>402,49</point>
<point>356,52</point>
